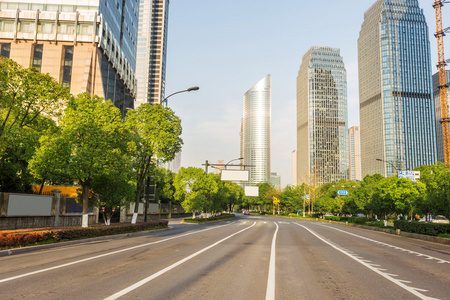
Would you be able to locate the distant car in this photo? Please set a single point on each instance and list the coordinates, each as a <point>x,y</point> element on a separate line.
<point>246,212</point>
<point>440,219</point>
<point>328,214</point>
<point>360,215</point>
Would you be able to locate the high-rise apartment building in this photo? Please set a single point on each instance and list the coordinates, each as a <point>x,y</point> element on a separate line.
<point>152,51</point>
<point>438,114</point>
<point>89,46</point>
<point>322,147</point>
<point>396,102</point>
<point>354,143</point>
<point>255,131</point>
<point>275,180</point>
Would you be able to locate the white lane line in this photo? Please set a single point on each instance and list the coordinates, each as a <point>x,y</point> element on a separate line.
<point>150,278</point>
<point>106,254</point>
<point>439,260</point>
<point>270,292</point>
<point>412,290</point>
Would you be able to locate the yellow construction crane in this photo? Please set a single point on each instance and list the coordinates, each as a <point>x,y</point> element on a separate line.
<point>440,33</point>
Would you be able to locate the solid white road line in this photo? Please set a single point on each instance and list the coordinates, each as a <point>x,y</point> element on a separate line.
<point>439,261</point>
<point>106,254</point>
<point>400,283</point>
<point>270,292</point>
<point>150,278</point>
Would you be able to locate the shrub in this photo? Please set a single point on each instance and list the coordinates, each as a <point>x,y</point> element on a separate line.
<point>422,228</point>
<point>11,239</point>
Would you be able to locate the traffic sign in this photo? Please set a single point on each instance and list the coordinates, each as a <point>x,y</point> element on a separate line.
<point>342,193</point>
<point>411,175</point>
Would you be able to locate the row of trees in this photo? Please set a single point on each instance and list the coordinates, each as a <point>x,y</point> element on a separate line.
<point>49,136</point>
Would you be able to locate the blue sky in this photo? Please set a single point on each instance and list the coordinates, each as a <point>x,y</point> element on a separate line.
<point>226,47</point>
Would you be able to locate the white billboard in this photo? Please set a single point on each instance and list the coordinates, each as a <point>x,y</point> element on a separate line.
<point>251,191</point>
<point>234,175</point>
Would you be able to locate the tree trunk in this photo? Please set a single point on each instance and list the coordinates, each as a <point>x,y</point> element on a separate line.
<point>42,187</point>
<point>85,219</point>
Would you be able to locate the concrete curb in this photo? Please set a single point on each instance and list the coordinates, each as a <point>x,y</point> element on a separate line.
<point>27,249</point>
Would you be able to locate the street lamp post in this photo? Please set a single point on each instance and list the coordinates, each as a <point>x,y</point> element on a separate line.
<point>195,88</point>
<point>225,167</point>
<point>382,160</point>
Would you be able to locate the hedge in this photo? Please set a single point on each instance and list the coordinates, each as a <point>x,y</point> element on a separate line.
<point>19,238</point>
<point>203,220</point>
<point>433,229</point>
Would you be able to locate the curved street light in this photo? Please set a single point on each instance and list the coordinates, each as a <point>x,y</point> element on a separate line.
<point>194,88</point>
<point>379,159</point>
<point>225,167</point>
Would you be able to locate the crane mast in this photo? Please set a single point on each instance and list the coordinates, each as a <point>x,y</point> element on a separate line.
<point>442,80</point>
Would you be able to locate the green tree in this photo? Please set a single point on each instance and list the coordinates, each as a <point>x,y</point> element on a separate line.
<point>29,103</point>
<point>91,142</point>
<point>112,191</point>
<point>196,190</point>
<point>156,132</point>
<point>437,181</point>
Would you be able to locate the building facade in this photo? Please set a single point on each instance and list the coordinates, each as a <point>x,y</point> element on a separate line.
<point>322,146</point>
<point>88,45</point>
<point>255,131</point>
<point>354,145</point>
<point>395,89</point>
<point>152,51</point>
<point>438,114</point>
<point>275,180</point>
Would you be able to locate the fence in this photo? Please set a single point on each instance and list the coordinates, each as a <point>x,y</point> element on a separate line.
<point>31,211</point>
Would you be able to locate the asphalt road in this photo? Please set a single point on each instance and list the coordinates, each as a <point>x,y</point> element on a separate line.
<point>246,258</point>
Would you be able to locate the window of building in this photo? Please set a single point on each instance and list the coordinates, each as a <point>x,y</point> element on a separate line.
<point>67,66</point>
<point>6,26</point>
<point>37,57</point>
<point>5,50</point>
<point>46,27</point>
<point>85,29</point>
<point>26,26</point>
<point>66,28</point>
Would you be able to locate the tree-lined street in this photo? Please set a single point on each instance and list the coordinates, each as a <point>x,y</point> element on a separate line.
<point>246,258</point>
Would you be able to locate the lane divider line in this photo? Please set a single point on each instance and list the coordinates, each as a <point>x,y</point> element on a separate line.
<point>270,292</point>
<point>106,254</point>
<point>415,291</point>
<point>156,275</point>
<point>439,260</point>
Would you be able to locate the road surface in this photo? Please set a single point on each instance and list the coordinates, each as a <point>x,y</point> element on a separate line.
<point>250,257</point>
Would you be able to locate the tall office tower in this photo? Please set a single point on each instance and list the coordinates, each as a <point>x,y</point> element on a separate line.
<point>152,51</point>
<point>395,92</point>
<point>354,140</point>
<point>322,147</point>
<point>294,168</point>
<point>89,46</point>
<point>275,180</point>
<point>438,114</point>
<point>255,131</point>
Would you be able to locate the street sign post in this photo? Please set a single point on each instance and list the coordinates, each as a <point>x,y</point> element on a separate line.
<point>342,193</point>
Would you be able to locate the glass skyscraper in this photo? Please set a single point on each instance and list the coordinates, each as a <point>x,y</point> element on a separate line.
<point>255,131</point>
<point>322,138</point>
<point>152,51</point>
<point>395,88</point>
<point>438,113</point>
